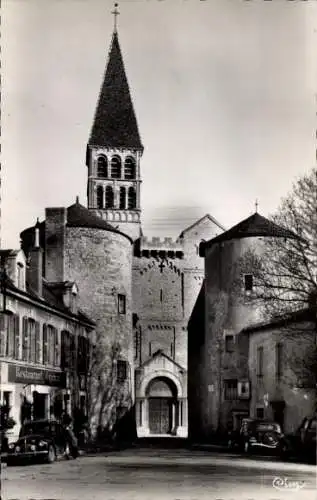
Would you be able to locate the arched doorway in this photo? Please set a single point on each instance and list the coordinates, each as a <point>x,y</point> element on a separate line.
<point>162,403</point>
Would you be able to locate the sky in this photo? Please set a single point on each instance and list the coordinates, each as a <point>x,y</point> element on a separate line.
<point>224,93</point>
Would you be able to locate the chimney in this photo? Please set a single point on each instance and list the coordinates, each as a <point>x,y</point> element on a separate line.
<point>55,234</point>
<point>34,269</point>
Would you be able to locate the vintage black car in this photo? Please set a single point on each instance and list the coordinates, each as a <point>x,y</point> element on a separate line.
<point>259,435</point>
<point>44,440</point>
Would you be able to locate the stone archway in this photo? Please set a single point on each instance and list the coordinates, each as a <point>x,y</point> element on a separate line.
<point>161,395</point>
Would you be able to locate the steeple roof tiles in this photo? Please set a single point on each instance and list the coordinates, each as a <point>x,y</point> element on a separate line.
<point>115,123</point>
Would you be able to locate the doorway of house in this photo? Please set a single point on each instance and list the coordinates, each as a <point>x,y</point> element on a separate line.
<point>162,399</point>
<point>39,405</point>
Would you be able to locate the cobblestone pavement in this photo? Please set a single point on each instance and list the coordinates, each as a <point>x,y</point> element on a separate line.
<point>160,474</point>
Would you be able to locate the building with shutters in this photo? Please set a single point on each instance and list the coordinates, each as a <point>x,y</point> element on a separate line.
<point>44,343</point>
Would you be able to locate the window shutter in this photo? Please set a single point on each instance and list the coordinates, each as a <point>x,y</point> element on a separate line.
<point>63,349</point>
<point>56,349</point>
<point>45,351</point>
<point>10,335</point>
<point>32,341</point>
<point>25,341</point>
<point>17,336</point>
<point>37,343</point>
<point>2,335</point>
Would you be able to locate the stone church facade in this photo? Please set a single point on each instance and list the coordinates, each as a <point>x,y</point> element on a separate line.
<point>103,249</point>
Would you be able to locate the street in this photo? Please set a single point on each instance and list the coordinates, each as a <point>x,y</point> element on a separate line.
<point>160,474</point>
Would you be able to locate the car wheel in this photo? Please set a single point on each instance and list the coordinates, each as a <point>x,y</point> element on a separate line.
<point>51,456</point>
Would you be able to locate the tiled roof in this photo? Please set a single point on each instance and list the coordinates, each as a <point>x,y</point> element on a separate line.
<point>80,216</point>
<point>255,225</point>
<point>305,314</point>
<point>115,123</point>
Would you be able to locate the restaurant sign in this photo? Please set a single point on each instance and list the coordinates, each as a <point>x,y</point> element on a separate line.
<point>30,375</point>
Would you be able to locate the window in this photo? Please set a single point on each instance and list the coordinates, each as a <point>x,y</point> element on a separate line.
<point>248,282</point>
<point>161,295</point>
<point>231,389</point>
<point>102,170</point>
<point>136,343</point>
<point>32,340</point>
<point>129,168</point>
<point>72,349</point>
<point>259,359</point>
<point>229,343</point>
<point>150,348</point>
<point>45,346</point>
<point>37,343</point>
<point>65,349</point>
<point>122,368</point>
<point>260,413</point>
<point>131,198</point>
<point>121,304</point>
<point>51,339</point>
<point>122,198</point>
<point>82,357</point>
<point>115,167</point>
<point>25,340</point>
<point>99,197</point>
<point>109,197</point>
<point>279,360</point>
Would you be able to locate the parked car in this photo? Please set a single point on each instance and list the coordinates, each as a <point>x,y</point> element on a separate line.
<point>303,441</point>
<point>259,435</point>
<point>42,440</point>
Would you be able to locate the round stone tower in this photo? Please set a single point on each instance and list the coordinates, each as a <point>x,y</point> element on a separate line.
<point>82,248</point>
<point>220,351</point>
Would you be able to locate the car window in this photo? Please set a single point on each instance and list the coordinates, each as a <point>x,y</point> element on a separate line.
<point>313,424</point>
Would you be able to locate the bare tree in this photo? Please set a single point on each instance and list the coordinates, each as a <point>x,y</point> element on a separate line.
<point>106,394</point>
<point>285,271</point>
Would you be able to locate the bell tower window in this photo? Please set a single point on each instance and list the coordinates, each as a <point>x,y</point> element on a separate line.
<point>129,168</point>
<point>116,167</point>
<point>131,198</point>
<point>102,170</point>
<point>122,197</point>
<point>109,197</point>
<point>99,197</point>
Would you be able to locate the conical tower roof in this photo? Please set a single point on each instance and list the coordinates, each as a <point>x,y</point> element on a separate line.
<point>253,226</point>
<point>115,123</point>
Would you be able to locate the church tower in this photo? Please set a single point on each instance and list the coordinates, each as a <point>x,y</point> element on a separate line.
<point>114,150</point>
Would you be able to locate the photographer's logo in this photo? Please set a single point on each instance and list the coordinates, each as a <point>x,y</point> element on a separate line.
<point>283,483</point>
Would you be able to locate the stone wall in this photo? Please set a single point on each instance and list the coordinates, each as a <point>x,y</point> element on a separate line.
<point>299,401</point>
<point>228,311</point>
<point>100,262</point>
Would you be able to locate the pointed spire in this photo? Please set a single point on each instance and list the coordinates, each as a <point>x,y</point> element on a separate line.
<point>115,123</point>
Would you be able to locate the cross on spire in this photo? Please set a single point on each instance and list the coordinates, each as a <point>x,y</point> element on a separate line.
<point>256,206</point>
<point>115,13</point>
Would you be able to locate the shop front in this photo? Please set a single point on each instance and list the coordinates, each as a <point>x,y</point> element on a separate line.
<point>31,393</point>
